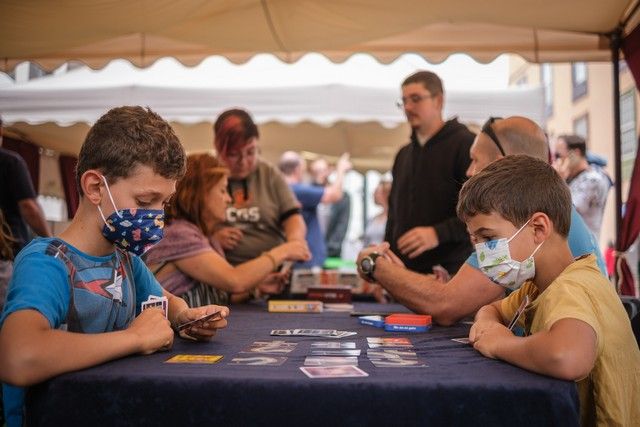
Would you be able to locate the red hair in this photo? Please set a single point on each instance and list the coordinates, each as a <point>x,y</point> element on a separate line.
<point>233,128</point>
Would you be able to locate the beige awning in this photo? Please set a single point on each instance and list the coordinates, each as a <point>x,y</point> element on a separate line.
<point>53,32</point>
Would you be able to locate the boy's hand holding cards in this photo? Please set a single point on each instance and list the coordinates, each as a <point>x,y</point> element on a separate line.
<point>156,302</point>
<point>200,320</point>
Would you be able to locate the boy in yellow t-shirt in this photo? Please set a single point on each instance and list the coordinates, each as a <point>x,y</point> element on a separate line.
<point>518,212</point>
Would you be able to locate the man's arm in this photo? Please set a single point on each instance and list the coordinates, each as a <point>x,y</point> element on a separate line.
<point>33,215</point>
<point>294,227</point>
<point>333,191</point>
<point>447,303</point>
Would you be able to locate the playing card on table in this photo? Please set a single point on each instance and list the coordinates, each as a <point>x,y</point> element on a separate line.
<point>207,359</point>
<point>333,345</point>
<point>461,340</point>
<point>330,361</point>
<point>258,361</point>
<point>270,347</point>
<point>391,354</point>
<point>335,352</point>
<point>344,371</point>
<point>375,342</point>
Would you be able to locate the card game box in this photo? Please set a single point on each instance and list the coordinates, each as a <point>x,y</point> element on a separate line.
<point>295,306</point>
<point>330,293</point>
<point>303,279</point>
<point>404,322</point>
<point>377,321</point>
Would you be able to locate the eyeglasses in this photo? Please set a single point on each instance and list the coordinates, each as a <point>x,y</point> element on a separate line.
<point>486,128</point>
<point>413,99</point>
<point>237,156</point>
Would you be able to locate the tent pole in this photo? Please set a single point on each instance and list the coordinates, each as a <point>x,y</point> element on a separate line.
<point>616,40</point>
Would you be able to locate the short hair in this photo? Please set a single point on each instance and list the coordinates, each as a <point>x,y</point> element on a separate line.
<point>429,80</point>
<point>516,187</point>
<point>233,128</point>
<point>575,142</point>
<point>126,137</point>
<point>289,162</point>
<point>188,203</point>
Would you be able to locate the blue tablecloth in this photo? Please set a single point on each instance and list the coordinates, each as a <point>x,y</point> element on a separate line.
<point>459,387</point>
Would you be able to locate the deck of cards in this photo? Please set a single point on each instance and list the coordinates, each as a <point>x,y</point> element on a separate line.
<point>156,302</point>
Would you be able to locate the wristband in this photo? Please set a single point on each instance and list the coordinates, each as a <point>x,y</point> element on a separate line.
<point>273,260</point>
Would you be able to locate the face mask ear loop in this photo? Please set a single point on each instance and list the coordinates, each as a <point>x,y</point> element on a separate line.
<point>111,227</point>
<point>516,233</point>
<point>110,198</point>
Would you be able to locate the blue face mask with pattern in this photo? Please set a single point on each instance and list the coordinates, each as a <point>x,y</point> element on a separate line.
<point>134,230</point>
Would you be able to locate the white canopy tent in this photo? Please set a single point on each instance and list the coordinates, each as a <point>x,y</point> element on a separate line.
<point>313,105</point>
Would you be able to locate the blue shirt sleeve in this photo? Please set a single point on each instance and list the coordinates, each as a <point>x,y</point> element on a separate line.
<point>146,283</point>
<point>473,260</point>
<point>39,282</point>
<point>582,241</point>
<point>309,196</point>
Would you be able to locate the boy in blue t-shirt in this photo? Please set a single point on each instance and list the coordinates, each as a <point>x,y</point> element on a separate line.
<point>83,290</point>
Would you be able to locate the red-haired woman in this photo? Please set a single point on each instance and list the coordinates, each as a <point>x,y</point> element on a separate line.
<point>187,261</point>
<point>264,212</point>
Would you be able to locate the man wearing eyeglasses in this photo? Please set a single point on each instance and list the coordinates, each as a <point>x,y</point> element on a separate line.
<point>469,289</point>
<point>428,173</point>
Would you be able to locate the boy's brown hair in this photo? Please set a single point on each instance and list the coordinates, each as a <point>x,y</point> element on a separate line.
<point>126,137</point>
<point>203,172</point>
<point>428,79</point>
<point>516,187</point>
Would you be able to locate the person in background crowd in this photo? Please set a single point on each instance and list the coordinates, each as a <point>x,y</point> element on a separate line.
<point>264,213</point>
<point>333,217</point>
<point>374,230</point>
<point>18,199</point>
<point>589,185</point>
<point>293,167</point>
<point>188,262</point>
<point>428,172</point>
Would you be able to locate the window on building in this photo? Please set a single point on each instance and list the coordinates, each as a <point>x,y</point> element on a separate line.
<point>628,132</point>
<point>546,77</point>
<point>579,79</point>
<point>581,127</point>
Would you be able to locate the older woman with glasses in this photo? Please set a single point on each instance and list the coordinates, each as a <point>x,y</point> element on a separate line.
<point>263,212</point>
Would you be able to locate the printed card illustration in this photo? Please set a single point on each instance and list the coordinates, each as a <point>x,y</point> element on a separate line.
<point>258,361</point>
<point>204,359</point>
<point>271,347</point>
<point>375,342</point>
<point>155,302</point>
<point>345,371</point>
<point>341,352</point>
<point>335,345</point>
<point>395,358</point>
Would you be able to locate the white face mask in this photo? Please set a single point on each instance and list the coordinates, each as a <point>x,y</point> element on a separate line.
<point>494,259</point>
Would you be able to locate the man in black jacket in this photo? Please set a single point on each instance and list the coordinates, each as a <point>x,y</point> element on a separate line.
<point>427,176</point>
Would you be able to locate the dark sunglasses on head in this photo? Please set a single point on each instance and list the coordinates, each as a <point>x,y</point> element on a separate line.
<point>486,128</point>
